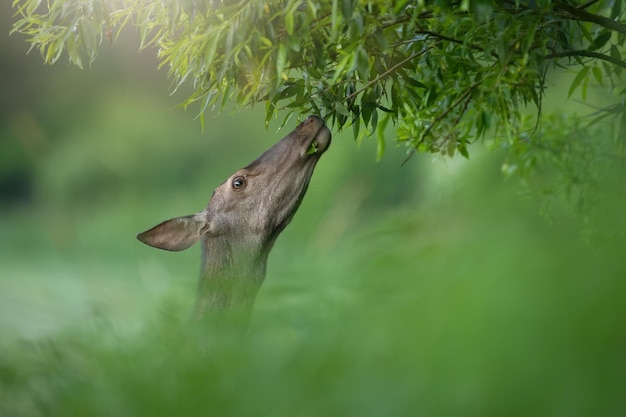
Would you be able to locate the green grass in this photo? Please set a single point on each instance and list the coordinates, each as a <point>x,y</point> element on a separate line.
<point>462,306</point>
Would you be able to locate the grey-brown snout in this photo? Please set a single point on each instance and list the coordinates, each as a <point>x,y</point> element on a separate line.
<point>319,133</point>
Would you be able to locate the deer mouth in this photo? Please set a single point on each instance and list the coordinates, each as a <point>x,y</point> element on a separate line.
<point>321,138</point>
<point>320,142</point>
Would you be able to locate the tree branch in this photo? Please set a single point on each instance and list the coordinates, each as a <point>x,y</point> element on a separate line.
<point>465,96</point>
<point>588,54</point>
<point>587,4</point>
<point>453,40</point>
<point>389,71</point>
<point>585,16</point>
<point>456,102</point>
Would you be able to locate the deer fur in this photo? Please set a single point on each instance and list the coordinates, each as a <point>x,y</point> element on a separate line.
<point>242,220</point>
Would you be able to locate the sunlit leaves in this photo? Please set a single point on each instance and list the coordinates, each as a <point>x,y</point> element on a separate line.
<point>77,28</point>
<point>442,73</point>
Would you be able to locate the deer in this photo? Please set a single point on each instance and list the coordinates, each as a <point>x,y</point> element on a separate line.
<point>242,220</point>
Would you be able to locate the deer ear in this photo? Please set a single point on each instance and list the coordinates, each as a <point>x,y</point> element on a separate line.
<point>176,234</point>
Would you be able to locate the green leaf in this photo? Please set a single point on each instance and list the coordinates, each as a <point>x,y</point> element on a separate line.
<point>72,51</point>
<point>356,125</point>
<point>380,39</point>
<point>380,138</point>
<point>201,117</point>
<point>615,54</point>
<point>266,41</point>
<point>346,9</point>
<point>414,82</point>
<point>281,58</point>
<point>210,50</point>
<point>312,148</point>
<point>577,80</point>
<point>333,18</point>
<point>597,73</point>
<point>462,148</point>
<point>600,40</point>
<point>374,119</point>
<point>432,96</point>
<point>341,65</point>
<point>362,64</point>
<point>289,23</point>
<point>341,109</point>
<point>617,10</point>
<point>269,112</point>
<point>366,112</point>
<point>583,89</point>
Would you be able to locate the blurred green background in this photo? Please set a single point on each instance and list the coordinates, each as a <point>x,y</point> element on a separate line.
<point>435,288</point>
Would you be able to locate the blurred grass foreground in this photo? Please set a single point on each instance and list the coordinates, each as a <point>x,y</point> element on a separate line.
<point>465,305</point>
<point>429,290</point>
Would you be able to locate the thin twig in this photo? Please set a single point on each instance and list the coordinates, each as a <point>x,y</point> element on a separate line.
<point>458,118</point>
<point>540,98</point>
<point>453,40</point>
<point>449,109</point>
<point>588,54</point>
<point>456,102</point>
<point>389,71</point>
<point>426,14</point>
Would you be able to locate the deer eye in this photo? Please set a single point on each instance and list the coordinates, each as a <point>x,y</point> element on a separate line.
<point>239,183</point>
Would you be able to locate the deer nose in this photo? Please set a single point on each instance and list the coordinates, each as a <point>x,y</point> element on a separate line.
<point>312,119</point>
<point>323,138</point>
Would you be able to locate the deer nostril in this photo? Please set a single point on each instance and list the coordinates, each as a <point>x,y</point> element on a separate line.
<point>312,118</point>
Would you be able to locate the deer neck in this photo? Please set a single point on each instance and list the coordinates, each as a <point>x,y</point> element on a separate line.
<point>230,279</point>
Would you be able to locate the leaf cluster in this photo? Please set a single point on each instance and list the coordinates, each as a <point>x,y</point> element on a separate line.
<point>443,73</point>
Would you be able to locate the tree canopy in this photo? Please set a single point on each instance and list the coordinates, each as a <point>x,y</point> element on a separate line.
<point>443,73</point>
